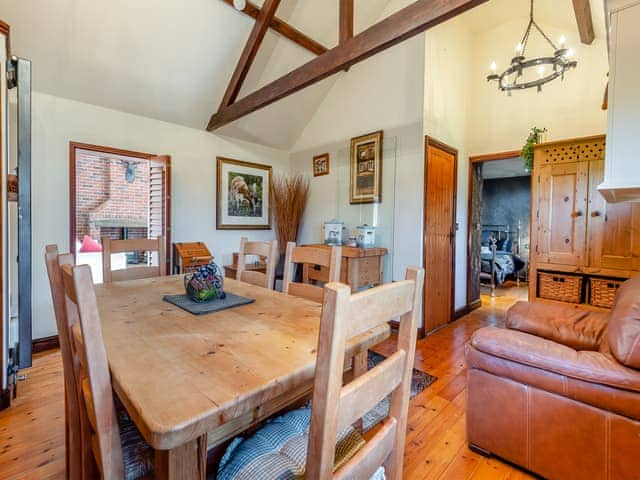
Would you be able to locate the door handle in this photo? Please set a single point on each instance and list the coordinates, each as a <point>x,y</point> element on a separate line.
<point>595,214</point>
<point>576,214</point>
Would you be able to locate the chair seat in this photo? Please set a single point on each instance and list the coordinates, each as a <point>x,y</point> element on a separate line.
<point>278,450</point>
<point>137,454</point>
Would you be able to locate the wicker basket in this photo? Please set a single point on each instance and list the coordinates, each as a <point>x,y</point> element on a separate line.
<point>602,291</point>
<point>560,286</point>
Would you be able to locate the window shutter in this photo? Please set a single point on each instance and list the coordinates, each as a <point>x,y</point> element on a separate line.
<point>159,221</point>
<point>156,200</point>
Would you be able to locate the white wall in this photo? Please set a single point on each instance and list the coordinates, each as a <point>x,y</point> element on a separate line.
<point>58,121</point>
<point>447,108</point>
<point>471,115</point>
<point>568,109</point>
<point>383,93</point>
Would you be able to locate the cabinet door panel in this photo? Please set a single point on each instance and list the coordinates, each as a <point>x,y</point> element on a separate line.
<point>614,229</point>
<point>561,213</point>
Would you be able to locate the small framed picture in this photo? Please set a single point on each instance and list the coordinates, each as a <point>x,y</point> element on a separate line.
<point>243,195</point>
<point>366,169</point>
<point>321,165</point>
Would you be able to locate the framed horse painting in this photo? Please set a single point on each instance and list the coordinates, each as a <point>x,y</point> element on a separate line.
<point>243,190</point>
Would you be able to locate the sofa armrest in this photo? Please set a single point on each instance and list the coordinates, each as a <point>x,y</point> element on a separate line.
<point>576,328</point>
<point>536,352</point>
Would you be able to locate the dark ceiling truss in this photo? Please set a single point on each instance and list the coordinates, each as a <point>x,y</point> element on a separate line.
<point>351,49</point>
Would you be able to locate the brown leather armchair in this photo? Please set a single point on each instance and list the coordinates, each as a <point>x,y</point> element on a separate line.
<point>558,391</point>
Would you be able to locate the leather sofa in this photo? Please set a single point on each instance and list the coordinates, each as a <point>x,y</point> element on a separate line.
<point>558,391</point>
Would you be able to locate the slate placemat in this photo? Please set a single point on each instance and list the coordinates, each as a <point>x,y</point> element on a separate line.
<point>184,302</point>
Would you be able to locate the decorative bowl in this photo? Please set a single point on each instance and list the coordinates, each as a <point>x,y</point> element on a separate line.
<point>205,284</point>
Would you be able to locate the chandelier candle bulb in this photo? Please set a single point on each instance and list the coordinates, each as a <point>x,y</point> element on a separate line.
<point>493,67</point>
<point>563,41</point>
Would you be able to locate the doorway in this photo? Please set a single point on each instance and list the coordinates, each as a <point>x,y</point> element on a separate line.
<point>118,194</point>
<point>440,180</point>
<point>498,224</point>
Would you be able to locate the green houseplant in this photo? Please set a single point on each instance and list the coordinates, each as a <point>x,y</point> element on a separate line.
<point>527,150</point>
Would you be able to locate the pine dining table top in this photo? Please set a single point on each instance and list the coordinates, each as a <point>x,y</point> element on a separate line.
<point>190,379</point>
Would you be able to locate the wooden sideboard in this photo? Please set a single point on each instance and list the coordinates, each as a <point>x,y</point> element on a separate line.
<point>575,232</point>
<point>360,267</point>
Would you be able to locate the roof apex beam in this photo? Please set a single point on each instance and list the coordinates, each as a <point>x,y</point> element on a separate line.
<point>250,51</point>
<point>402,25</point>
<point>584,18</point>
<point>346,21</point>
<point>284,29</point>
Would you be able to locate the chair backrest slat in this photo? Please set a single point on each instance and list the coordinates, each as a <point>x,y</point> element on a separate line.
<point>267,250</point>
<point>369,389</point>
<point>95,383</point>
<point>372,307</point>
<point>70,368</point>
<point>334,406</point>
<point>305,290</point>
<point>110,247</point>
<point>329,258</point>
<point>370,457</point>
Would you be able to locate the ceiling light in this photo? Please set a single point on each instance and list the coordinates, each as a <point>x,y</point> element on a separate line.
<point>239,4</point>
<point>515,76</point>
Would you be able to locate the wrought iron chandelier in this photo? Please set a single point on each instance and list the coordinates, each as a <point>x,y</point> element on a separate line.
<point>518,76</point>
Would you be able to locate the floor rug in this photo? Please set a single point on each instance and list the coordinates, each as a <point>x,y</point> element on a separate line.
<point>419,382</point>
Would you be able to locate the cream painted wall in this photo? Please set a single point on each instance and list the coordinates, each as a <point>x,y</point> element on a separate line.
<point>569,108</point>
<point>447,108</point>
<point>58,121</point>
<point>466,112</point>
<point>383,93</point>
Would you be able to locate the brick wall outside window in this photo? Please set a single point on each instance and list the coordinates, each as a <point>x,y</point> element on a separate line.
<point>103,193</point>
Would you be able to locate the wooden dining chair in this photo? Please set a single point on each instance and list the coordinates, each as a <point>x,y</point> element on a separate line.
<point>73,441</point>
<point>268,251</point>
<point>309,257</point>
<point>134,245</point>
<point>332,449</point>
<point>112,447</point>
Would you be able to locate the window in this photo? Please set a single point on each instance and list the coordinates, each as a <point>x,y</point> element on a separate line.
<point>117,194</point>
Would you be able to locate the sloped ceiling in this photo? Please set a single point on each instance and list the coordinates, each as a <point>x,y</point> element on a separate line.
<point>171,59</point>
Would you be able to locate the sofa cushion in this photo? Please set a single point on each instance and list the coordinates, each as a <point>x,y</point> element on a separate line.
<point>624,326</point>
<point>571,326</point>
<point>537,352</point>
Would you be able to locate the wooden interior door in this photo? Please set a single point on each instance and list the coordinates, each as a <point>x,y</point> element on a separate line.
<point>613,228</point>
<point>439,233</point>
<point>561,212</point>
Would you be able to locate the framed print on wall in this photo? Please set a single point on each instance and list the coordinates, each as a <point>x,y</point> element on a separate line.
<point>365,184</point>
<point>321,165</point>
<point>242,191</point>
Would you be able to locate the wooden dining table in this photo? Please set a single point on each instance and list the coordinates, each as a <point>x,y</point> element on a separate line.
<point>189,381</point>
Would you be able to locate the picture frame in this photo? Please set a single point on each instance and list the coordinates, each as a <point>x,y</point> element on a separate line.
<point>365,166</point>
<point>321,165</point>
<point>243,192</point>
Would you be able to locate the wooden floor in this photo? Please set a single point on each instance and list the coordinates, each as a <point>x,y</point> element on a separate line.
<point>32,430</point>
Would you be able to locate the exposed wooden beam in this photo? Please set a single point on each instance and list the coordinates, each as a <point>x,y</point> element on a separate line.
<point>286,30</point>
<point>346,20</point>
<point>406,23</point>
<point>250,51</point>
<point>585,21</point>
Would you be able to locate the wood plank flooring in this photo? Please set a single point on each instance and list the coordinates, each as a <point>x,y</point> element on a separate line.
<point>32,430</point>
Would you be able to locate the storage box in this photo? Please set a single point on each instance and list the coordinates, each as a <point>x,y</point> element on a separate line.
<point>602,291</point>
<point>560,286</point>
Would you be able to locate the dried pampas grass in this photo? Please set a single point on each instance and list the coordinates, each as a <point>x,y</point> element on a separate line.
<point>289,195</point>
